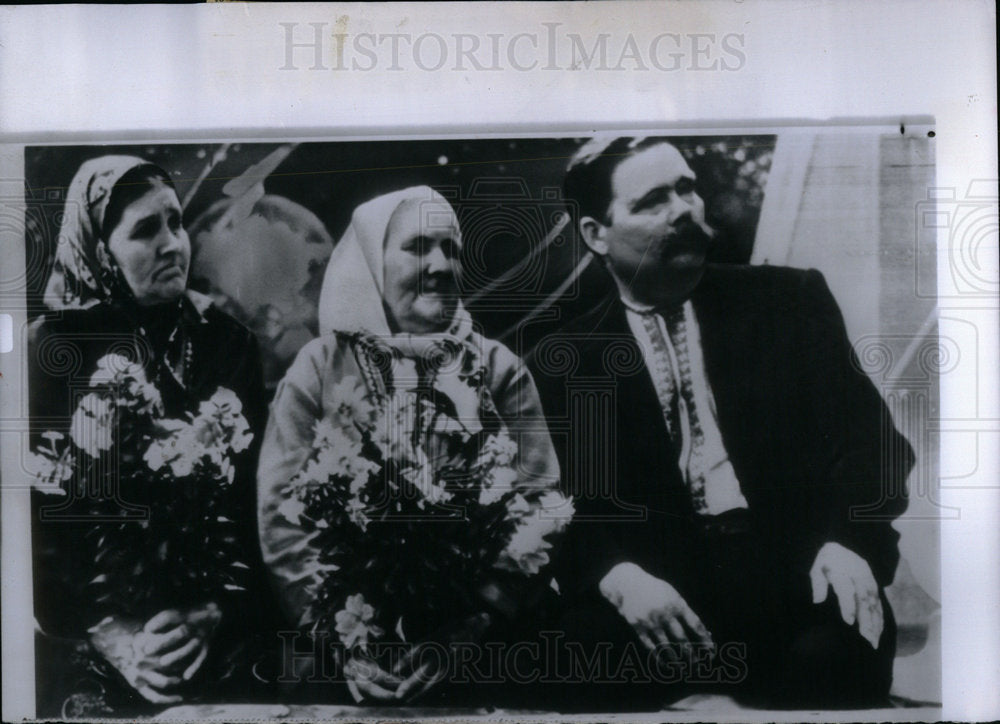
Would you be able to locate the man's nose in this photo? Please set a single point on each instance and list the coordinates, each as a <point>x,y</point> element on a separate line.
<point>679,209</point>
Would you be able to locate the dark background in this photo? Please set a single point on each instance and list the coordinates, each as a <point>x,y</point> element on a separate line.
<point>507,193</point>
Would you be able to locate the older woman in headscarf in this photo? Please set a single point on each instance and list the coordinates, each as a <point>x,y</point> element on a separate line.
<point>389,307</point>
<point>119,285</point>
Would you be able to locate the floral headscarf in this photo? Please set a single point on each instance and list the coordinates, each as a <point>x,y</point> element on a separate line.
<point>84,273</point>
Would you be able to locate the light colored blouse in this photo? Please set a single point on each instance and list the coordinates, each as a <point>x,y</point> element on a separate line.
<point>308,392</point>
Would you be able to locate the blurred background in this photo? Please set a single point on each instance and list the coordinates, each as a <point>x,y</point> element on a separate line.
<point>264,217</point>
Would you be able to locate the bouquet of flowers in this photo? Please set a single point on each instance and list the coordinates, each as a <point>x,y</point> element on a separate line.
<point>412,503</point>
<point>153,490</point>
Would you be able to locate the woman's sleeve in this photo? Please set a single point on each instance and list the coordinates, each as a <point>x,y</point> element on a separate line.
<point>518,404</point>
<point>287,549</point>
<point>60,566</point>
<point>537,466</point>
<point>249,614</point>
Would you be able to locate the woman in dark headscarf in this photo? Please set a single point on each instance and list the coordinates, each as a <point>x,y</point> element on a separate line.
<point>119,285</point>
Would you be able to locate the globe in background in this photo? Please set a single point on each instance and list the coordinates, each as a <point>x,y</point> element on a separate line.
<point>262,260</point>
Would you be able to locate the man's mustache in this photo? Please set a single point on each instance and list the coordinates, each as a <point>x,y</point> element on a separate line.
<point>687,232</point>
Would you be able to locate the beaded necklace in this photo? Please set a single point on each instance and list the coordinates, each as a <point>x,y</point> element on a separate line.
<point>181,374</point>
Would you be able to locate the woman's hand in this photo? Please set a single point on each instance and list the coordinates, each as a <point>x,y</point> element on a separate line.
<point>416,673</point>
<point>122,643</point>
<point>157,657</point>
<point>421,673</point>
<point>366,680</point>
<point>180,638</point>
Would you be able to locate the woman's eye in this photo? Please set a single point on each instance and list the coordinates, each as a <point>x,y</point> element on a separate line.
<point>174,222</point>
<point>145,229</point>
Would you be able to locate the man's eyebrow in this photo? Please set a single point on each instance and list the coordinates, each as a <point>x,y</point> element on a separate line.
<point>661,189</point>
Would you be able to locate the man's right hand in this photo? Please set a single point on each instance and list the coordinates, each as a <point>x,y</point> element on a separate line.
<point>654,609</point>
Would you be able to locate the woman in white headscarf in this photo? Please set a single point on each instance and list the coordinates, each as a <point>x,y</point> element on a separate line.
<point>389,303</point>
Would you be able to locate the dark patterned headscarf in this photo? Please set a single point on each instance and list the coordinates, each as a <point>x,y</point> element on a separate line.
<point>84,272</point>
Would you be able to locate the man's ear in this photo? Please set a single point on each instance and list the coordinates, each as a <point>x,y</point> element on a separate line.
<point>592,232</point>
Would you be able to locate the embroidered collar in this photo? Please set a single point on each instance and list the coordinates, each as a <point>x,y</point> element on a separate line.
<point>647,309</point>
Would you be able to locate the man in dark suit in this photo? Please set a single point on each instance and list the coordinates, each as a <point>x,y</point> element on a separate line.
<point>735,474</point>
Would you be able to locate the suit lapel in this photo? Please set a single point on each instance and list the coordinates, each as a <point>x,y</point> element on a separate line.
<point>644,445</point>
<point>730,355</point>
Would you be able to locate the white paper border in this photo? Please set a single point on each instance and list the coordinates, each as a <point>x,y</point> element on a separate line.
<point>87,73</point>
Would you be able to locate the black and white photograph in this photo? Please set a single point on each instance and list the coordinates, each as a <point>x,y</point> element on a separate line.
<point>575,424</point>
<point>647,421</point>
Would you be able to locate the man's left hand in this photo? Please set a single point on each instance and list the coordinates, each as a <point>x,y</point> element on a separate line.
<point>853,583</point>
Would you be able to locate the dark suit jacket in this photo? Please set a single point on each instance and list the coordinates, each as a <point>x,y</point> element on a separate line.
<point>811,441</point>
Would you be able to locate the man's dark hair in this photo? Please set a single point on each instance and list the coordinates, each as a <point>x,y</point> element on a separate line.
<point>587,186</point>
<point>132,186</point>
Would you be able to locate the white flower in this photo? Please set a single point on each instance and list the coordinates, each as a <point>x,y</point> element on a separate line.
<point>352,406</point>
<point>556,509</point>
<point>498,450</point>
<point>323,432</point>
<point>353,622</point>
<point>226,401</point>
<point>489,495</point>
<point>422,478</point>
<point>291,510</point>
<point>179,449</point>
<point>394,428</point>
<point>218,429</point>
<point>464,397</point>
<point>361,475</point>
<point>357,512</point>
<point>338,456</point>
<point>220,424</point>
<point>518,507</point>
<point>527,550</point>
<point>129,378</point>
<point>496,483</point>
<point>52,436</point>
<point>91,428</point>
<point>49,471</point>
<point>113,368</point>
<point>147,397</point>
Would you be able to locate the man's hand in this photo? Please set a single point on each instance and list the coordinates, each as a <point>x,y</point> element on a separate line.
<point>654,609</point>
<point>852,580</point>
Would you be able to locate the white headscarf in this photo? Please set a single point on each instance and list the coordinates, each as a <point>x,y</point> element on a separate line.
<point>351,298</point>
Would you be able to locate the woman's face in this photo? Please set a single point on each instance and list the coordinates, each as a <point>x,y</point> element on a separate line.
<point>151,247</point>
<point>421,267</point>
